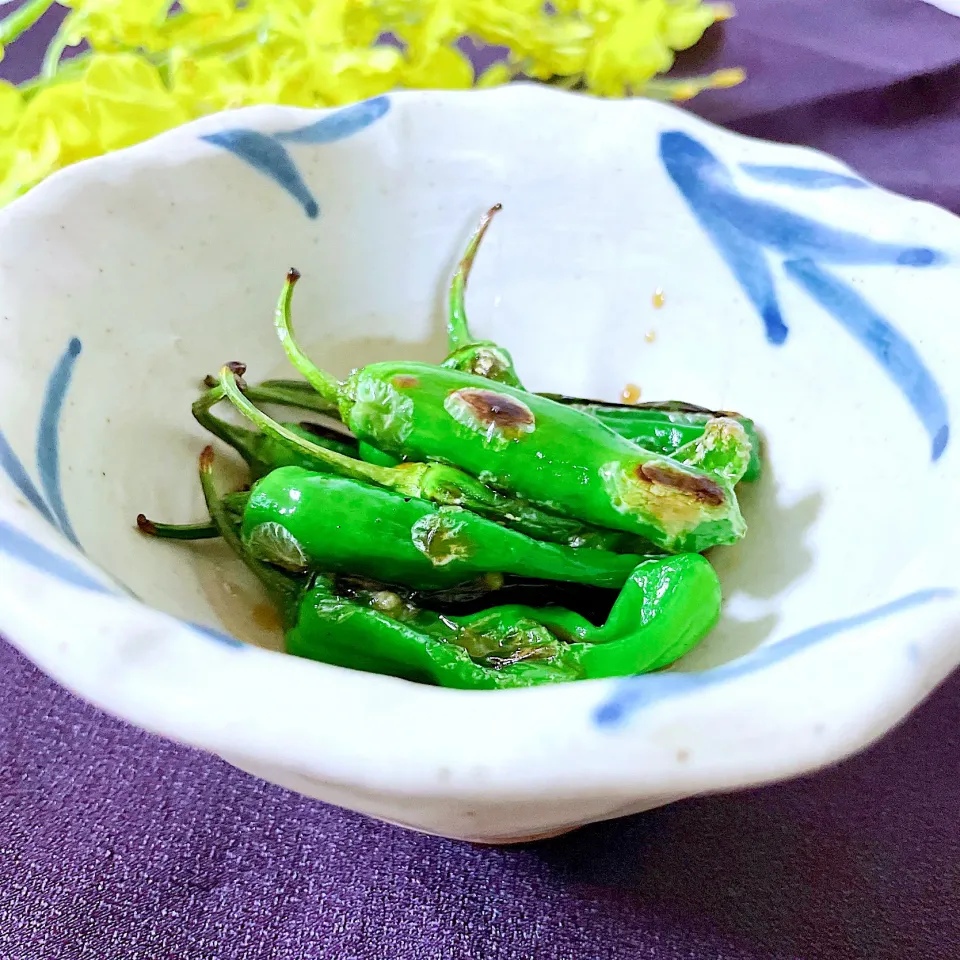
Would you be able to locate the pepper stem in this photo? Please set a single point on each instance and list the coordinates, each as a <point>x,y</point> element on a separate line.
<point>338,463</point>
<point>458,330</point>
<point>283,393</point>
<point>306,398</point>
<point>237,437</point>
<point>177,531</point>
<point>233,503</point>
<point>284,591</point>
<point>322,382</point>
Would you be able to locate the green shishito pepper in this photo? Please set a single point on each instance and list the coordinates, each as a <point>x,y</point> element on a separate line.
<point>556,457</point>
<point>665,427</point>
<point>660,428</point>
<point>439,483</point>
<point>301,520</point>
<point>564,461</point>
<point>665,608</point>
<point>484,358</point>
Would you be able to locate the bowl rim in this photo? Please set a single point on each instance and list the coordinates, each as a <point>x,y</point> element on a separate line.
<point>699,737</point>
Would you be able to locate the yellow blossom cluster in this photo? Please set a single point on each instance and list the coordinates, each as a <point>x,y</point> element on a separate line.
<point>152,65</point>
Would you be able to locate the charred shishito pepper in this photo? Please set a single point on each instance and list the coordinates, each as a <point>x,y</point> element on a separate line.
<point>665,607</point>
<point>666,427</point>
<point>386,532</point>
<point>436,482</point>
<point>554,456</point>
<point>301,520</point>
<point>673,429</point>
<point>484,358</point>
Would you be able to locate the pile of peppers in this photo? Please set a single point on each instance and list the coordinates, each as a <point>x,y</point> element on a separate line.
<point>442,524</point>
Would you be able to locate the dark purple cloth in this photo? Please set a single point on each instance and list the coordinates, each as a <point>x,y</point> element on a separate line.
<point>115,845</point>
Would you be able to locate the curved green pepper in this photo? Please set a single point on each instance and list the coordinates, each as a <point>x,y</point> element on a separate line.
<point>670,604</point>
<point>311,521</point>
<point>262,452</point>
<point>723,449</point>
<point>666,607</point>
<point>664,427</point>
<point>439,483</point>
<point>484,358</point>
<point>592,603</point>
<point>551,455</point>
<point>562,460</point>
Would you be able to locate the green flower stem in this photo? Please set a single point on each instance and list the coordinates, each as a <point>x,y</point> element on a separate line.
<point>22,19</point>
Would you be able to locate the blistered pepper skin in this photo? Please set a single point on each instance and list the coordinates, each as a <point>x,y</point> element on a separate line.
<point>664,609</point>
<point>560,458</point>
<point>664,428</point>
<point>304,520</point>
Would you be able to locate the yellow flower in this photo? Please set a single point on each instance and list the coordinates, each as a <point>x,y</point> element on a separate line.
<point>206,85</point>
<point>154,64</point>
<point>128,100</point>
<point>112,24</point>
<point>495,75</point>
<point>685,21</point>
<point>11,106</point>
<point>58,127</point>
<point>628,50</point>
<point>54,129</point>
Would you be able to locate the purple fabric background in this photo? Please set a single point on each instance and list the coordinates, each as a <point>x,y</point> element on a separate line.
<point>115,844</point>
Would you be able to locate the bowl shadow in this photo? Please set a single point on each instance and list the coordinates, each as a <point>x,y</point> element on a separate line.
<point>776,530</point>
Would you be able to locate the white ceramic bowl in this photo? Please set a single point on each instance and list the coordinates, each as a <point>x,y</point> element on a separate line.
<point>795,292</point>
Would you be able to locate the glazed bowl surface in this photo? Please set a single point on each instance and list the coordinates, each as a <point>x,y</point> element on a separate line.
<point>637,245</point>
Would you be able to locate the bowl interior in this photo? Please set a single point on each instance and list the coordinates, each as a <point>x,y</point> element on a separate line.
<point>123,286</point>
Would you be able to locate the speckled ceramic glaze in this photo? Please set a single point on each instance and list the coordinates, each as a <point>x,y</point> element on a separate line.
<point>793,291</point>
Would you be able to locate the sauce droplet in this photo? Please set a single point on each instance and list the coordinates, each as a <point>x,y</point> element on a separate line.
<point>650,336</point>
<point>265,615</point>
<point>658,298</point>
<point>630,393</point>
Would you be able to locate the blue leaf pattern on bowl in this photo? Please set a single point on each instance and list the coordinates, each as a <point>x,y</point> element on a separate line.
<point>267,154</point>
<point>48,437</point>
<point>745,230</point>
<point>13,467</point>
<point>708,187</point>
<point>22,547</point>
<point>48,449</point>
<point>887,346</point>
<point>340,125</point>
<point>803,178</point>
<point>264,154</point>
<point>634,693</point>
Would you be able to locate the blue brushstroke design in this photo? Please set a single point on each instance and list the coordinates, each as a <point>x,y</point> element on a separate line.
<point>803,178</point>
<point>26,550</point>
<point>634,693</point>
<point>708,188</point>
<point>884,343</point>
<point>267,154</point>
<point>340,125</point>
<point>21,547</point>
<point>48,437</point>
<point>746,259</point>
<point>13,467</point>
<point>264,154</point>
<point>746,230</point>
<point>217,635</point>
<point>687,164</point>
